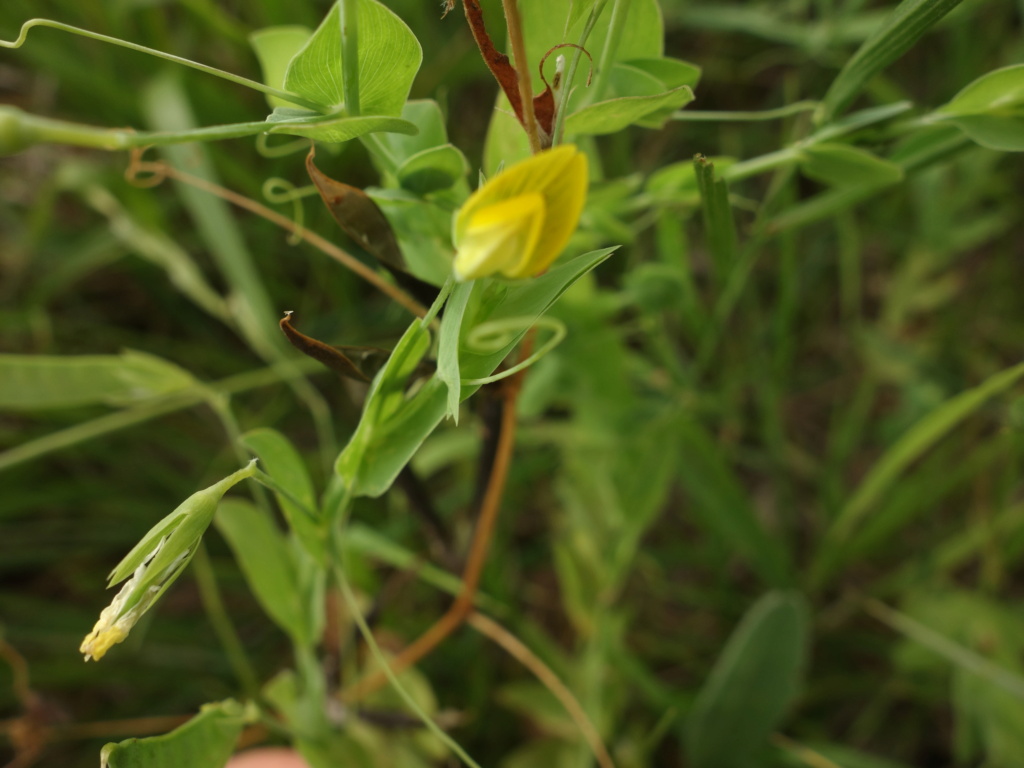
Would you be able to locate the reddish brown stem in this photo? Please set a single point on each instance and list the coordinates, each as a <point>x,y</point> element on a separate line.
<point>489,508</point>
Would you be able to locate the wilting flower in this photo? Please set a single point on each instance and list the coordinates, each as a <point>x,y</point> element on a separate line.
<point>155,562</point>
<point>518,222</point>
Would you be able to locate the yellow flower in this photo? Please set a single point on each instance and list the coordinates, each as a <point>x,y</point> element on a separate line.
<point>518,222</point>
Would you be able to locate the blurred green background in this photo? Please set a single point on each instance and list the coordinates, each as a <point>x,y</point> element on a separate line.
<point>654,433</point>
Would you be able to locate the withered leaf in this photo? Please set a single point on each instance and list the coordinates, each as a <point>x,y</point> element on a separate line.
<point>359,363</point>
<point>362,220</point>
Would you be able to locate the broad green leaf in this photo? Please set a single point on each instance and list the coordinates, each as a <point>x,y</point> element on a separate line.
<point>423,230</point>
<point>205,741</point>
<point>906,24</point>
<point>639,36</point>
<point>578,9</point>
<point>39,382</point>
<point>433,170</point>
<point>918,439</point>
<point>270,571</point>
<point>283,463</point>
<point>333,128</point>
<point>840,165</point>
<point>671,73</point>
<point>448,346</point>
<point>615,114</point>
<point>626,79</point>
<point>426,115</point>
<point>385,398</point>
<point>1002,133</point>
<point>389,57</point>
<point>275,47</point>
<point>991,110</point>
<point>751,686</point>
<point>997,91</point>
<point>506,143</point>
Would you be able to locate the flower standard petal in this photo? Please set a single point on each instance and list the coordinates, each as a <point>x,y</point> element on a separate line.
<point>559,176</point>
<point>500,237</point>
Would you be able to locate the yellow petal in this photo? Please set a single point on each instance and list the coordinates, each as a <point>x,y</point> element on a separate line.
<point>500,237</point>
<point>559,176</point>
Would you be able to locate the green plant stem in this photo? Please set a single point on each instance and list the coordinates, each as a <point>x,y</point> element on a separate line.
<point>36,129</point>
<point>620,9</point>
<point>779,113</point>
<point>570,75</point>
<point>237,79</point>
<point>206,580</point>
<point>762,164</point>
<point>349,21</point>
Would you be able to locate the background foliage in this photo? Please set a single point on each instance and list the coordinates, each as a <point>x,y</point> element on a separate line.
<point>750,467</point>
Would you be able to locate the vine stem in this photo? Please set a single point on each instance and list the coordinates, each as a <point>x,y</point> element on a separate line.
<point>515,35</point>
<point>162,170</point>
<point>237,79</point>
<point>489,508</point>
<point>517,650</point>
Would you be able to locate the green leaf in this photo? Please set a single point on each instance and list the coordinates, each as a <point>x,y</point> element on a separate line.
<point>283,463</point>
<point>751,686</point>
<point>389,57</point>
<point>918,439</point>
<point>266,561</point>
<point>426,115</point>
<point>394,425</point>
<point>840,165</point>
<point>991,110</point>
<point>448,346</point>
<point>333,128</point>
<point>423,230</point>
<point>506,143</point>
<point>523,301</point>
<point>1002,89</point>
<point>385,398</point>
<point>275,47</point>
<point>433,170</point>
<point>205,741</point>
<point>998,132</point>
<point>907,23</point>
<point>615,114</point>
<point>40,382</point>
<point>671,73</point>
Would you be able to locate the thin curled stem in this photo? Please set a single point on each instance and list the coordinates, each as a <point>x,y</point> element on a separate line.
<point>237,79</point>
<point>161,171</point>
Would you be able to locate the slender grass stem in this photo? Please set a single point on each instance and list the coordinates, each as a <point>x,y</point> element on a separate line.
<point>698,116</point>
<point>210,595</point>
<point>570,75</point>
